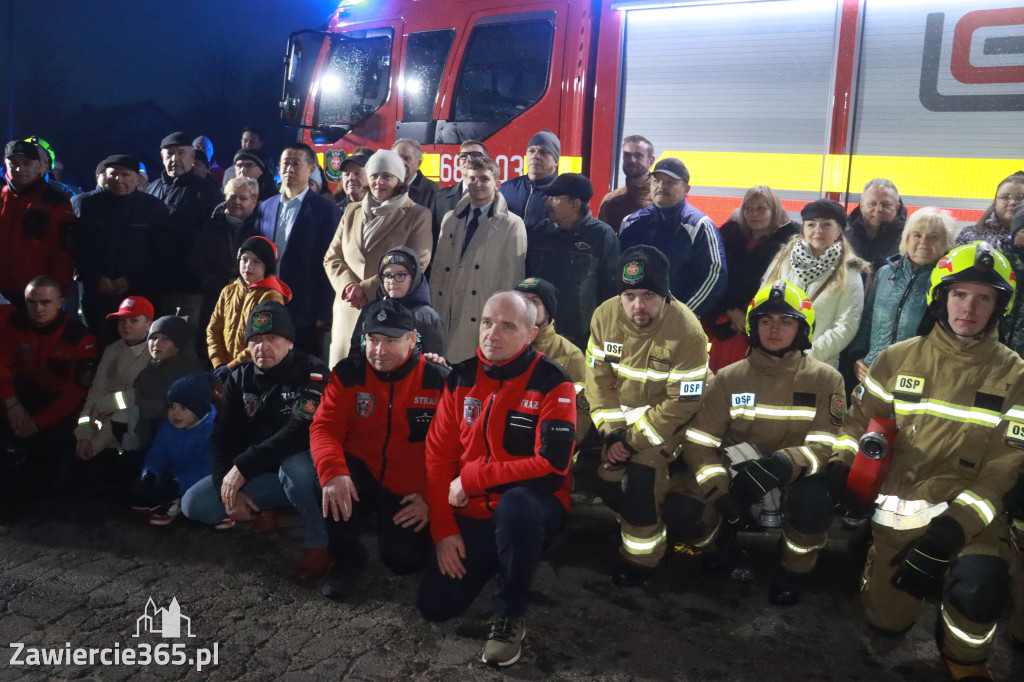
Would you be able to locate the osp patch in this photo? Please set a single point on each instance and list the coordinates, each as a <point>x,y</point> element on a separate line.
<point>470,410</point>
<point>633,272</point>
<point>364,404</point>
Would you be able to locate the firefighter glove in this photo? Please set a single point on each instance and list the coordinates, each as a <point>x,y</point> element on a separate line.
<point>843,502</point>
<point>757,477</point>
<point>736,514</point>
<point>923,563</point>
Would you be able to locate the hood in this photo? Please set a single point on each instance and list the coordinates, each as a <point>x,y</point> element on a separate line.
<point>272,282</point>
<point>419,290</point>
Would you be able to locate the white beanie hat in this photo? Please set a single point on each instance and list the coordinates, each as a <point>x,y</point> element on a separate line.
<point>386,161</point>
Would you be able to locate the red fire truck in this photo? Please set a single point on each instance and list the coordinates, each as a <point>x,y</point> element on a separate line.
<point>811,97</point>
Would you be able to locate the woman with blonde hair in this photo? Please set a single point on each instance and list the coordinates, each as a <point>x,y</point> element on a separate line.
<point>751,239</point>
<point>896,300</point>
<point>820,261</point>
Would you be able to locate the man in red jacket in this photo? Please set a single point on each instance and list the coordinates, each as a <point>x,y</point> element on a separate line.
<point>47,361</point>
<point>368,439</point>
<point>498,457</point>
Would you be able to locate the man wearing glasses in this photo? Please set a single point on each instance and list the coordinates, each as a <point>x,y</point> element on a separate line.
<point>875,227</point>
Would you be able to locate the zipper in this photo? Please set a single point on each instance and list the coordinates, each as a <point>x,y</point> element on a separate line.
<point>487,441</point>
<point>387,436</point>
<point>899,308</point>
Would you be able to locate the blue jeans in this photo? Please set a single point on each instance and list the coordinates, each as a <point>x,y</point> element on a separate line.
<point>295,485</point>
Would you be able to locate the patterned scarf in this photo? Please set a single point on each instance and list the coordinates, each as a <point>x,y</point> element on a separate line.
<point>374,212</point>
<point>808,268</point>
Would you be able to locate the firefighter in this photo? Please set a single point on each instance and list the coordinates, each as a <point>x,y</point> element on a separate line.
<point>647,364</point>
<point>763,415</point>
<point>956,394</point>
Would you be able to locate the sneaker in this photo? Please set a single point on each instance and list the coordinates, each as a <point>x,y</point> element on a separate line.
<point>166,514</point>
<point>226,524</point>
<point>505,643</point>
<point>145,510</point>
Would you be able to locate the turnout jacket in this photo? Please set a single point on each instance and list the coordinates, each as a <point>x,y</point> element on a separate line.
<point>498,427</point>
<point>648,380</point>
<point>783,404</point>
<point>381,418</point>
<point>265,415</point>
<point>561,350</point>
<point>960,412</point>
<point>49,369</point>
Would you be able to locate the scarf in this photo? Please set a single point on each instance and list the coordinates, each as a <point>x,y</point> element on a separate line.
<point>375,212</point>
<point>808,268</point>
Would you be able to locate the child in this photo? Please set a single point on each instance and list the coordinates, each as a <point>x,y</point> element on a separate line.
<point>180,455</point>
<point>256,283</point>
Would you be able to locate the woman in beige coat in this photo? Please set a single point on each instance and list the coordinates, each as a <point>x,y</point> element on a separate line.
<point>465,274</point>
<point>384,219</point>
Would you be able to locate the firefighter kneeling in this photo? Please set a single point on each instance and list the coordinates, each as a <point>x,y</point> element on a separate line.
<point>777,400</point>
<point>647,366</point>
<point>956,393</point>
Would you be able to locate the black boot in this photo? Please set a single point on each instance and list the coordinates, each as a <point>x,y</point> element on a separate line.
<point>628,574</point>
<point>785,588</point>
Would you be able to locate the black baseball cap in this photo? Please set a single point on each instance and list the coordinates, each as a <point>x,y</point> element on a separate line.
<point>388,318</point>
<point>672,167</point>
<point>570,184</point>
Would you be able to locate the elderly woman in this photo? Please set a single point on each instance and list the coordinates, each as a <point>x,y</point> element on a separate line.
<point>751,239</point>
<point>994,226</point>
<point>820,261</point>
<point>896,300</point>
<point>384,219</point>
<point>214,257</point>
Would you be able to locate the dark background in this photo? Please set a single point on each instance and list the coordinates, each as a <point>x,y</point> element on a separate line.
<point>101,77</point>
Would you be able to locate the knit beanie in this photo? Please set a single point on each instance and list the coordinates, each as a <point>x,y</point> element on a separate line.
<point>549,141</point>
<point>173,327</point>
<point>193,391</point>
<point>264,249</point>
<point>386,161</point>
<point>544,290</point>
<point>644,267</point>
<point>269,318</point>
<point>398,256</point>
<point>824,209</point>
<point>250,155</point>
<point>1017,224</point>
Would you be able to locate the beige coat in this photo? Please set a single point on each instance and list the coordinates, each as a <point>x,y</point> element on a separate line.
<point>460,283</point>
<point>349,261</point>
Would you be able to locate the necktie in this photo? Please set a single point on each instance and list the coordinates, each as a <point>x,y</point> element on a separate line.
<point>474,222</point>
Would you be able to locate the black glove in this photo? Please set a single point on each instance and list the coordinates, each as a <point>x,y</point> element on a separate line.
<point>756,477</point>
<point>843,503</point>
<point>736,514</point>
<point>220,374</point>
<point>924,562</point>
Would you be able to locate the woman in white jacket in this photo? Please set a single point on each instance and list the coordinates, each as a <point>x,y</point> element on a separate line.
<point>820,261</point>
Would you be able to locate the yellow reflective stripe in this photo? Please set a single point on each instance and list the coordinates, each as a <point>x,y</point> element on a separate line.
<point>1015,412</point>
<point>698,373</point>
<point>600,417</point>
<point>656,375</point>
<point>837,172</point>
<point>430,166</point>
<point>984,508</point>
<point>959,413</point>
<point>119,400</point>
<point>702,438</point>
<point>846,443</point>
<point>595,351</point>
<point>811,459</point>
<point>571,164</point>
<point>83,420</point>
<point>772,412</point>
<point>876,389</point>
<point>801,549</point>
<point>635,545</point>
<point>649,431</point>
<point>820,437</point>
<point>709,471</point>
<point>579,387</point>
<point>969,640</point>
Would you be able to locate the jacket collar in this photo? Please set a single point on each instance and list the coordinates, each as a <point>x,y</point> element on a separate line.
<point>400,372</point>
<point>769,364</point>
<point>946,343</point>
<point>510,369</point>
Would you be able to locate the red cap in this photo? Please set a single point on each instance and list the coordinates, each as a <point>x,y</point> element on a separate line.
<point>133,306</point>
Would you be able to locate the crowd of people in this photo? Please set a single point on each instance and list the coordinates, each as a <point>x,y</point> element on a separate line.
<point>223,343</point>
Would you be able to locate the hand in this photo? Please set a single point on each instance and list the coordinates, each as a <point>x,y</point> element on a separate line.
<point>923,563</point>
<point>220,375</point>
<point>457,497</point>
<point>450,553</point>
<point>737,320</point>
<point>21,421</point>
<point>860,369</point>
<point>229,487</point>
<point>413,513</point>
<point>340,496</point>
<point>436,359</point>
<point>757,477</point>
<point>244,508</point>
<point>843,502</point>
<point>355,296</point>
<point>84,451</point>
<point>97,415</point>
<point>616,455</point>
<point>736,514</point>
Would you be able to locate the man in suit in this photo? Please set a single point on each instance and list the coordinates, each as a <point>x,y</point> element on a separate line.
<point>447,197</point>
<point>421,188</point>
<point>301,223</point>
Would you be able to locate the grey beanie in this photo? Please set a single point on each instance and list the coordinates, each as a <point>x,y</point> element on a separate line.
<point>386,161</point>
<point>549,141</point>
<point>173,327</point>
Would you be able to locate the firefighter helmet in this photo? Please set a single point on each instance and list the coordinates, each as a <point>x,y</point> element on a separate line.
<point>978,262</point>
<point>782,298</point>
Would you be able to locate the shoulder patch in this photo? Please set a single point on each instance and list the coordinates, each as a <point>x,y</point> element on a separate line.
<point>837,408</point>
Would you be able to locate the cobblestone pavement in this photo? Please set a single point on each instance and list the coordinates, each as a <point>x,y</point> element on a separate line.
<point>80,571</point>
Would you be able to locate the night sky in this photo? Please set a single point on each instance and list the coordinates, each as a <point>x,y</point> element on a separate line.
<point>214,64</point>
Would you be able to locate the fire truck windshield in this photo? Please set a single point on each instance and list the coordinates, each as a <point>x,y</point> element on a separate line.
<point>355,79</point>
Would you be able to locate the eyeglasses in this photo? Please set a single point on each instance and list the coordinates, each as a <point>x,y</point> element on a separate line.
<point>470,155</point>
<point>396,276</point>
<point>1007,198</point>
<point>884,205</point>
